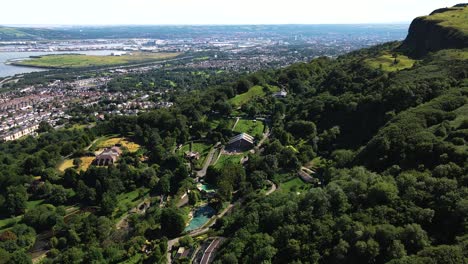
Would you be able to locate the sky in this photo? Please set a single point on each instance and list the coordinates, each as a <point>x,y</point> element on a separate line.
<point>155,12</point>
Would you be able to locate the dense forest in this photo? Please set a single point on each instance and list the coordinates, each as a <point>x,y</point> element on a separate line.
<point>385,133</point>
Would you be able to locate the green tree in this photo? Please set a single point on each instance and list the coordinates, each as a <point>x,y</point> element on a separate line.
<point>194,197</point>
<point>19,257</point>
<point>172,222</point>
<point>108,203</point>
<point>44,127</point>
<point>16,199</point>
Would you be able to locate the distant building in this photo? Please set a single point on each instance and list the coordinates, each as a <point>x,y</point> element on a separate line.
<point>31,130</point>
<point>118,53</point>
<point>281,94</point>
<point>108,156</point>
<point>182,253</point>
<point>240,143</point>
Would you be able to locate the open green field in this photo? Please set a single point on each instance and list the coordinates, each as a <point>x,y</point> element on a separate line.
<point>251,127</point>
<point>295,185</point>
<point>84,61</point>
<point>9,222</point>
<point>124,142</point>
<point>226,159</point>
<point>126,201</point>
<point>452,54</point>
<point>68,163</point>
<point>215,122</point>
<point>456,18</point>
<point>387,63</point>
<point>80,126</point>
<point>112,140</point>
<point>254,91</point>
<point>32,204</point>
<point>200,147</point>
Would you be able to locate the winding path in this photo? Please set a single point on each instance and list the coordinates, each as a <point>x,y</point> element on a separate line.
<point>201,173</point>
<point>272,189</point>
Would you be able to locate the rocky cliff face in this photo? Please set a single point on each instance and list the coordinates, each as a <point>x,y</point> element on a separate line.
<point>428,35</point>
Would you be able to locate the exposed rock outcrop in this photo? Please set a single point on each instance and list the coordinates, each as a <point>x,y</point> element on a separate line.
<point>428,35</point>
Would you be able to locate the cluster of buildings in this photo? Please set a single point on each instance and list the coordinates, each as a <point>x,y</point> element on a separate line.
<point>22,111</point>
<point>21,115</point>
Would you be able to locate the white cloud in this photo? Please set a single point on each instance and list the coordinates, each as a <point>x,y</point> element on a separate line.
<point>214,11</point>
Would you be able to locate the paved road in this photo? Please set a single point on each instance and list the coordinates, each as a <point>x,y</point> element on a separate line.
<point>265,136</point>
<point>272,189</point>
<point>209,158</point>
<point>209,252</point>
<point>235,123</point>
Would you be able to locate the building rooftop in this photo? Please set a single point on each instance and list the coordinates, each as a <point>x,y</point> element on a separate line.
<point>241,136</point>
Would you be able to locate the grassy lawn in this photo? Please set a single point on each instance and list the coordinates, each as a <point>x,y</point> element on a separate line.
<point>83,61</point>
<point>294,185</point>
<point>126,201</point>
<point>100,141</point>
<point>214,122</point>
<point>251,127</point>
<point>199,147</point>
<point>80,126</point>
<point>68,163</point>
<point>387,63</point>
<point>456,18</point>
<point>226,159</point>
<point>254,91</point>
<point>85,163</point>
<point>32,204</point>
<point>107,142</point>
<point>452,54</point>
<point>9,222</point>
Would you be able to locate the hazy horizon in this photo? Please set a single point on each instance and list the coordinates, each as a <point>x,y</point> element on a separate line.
<point>50,13</point>
<point>402,23</point>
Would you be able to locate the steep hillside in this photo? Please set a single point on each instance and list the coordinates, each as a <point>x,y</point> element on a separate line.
<point>391,135</point>
<point>443,29</point>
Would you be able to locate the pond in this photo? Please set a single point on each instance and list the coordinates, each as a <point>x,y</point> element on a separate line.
<point>206,187</point>
<point>200,217</point>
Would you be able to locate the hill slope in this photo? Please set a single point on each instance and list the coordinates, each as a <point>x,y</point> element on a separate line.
<point>443,29</point>
<point>386,141</point>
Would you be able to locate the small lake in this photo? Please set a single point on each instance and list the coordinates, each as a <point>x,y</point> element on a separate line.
<point>206,187</point>
<point>10,70</point>
<point>200,217</point>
